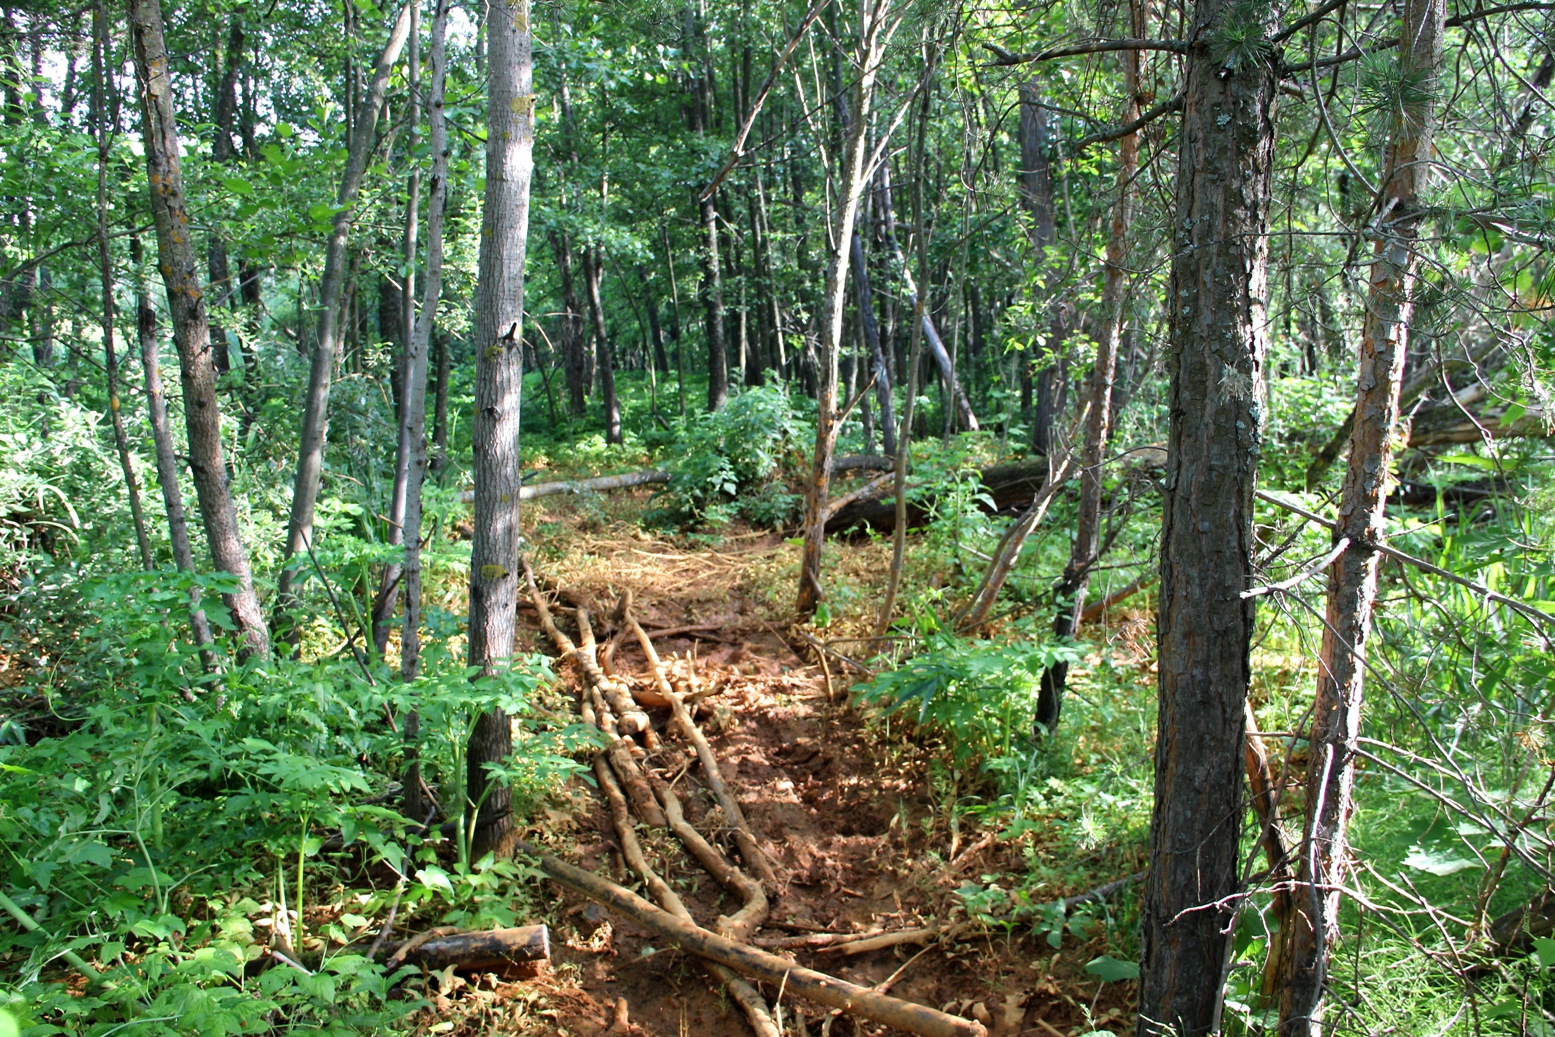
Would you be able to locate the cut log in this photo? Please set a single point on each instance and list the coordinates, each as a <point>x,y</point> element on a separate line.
<point>1007,485</point>
<point>625,481</point>
<point>494,950</point>
<point>754,962</point>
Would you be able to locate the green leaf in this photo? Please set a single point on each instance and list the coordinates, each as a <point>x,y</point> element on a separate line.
<point>1111,970</point>
<point>238,186</point>
<point>1437,863</point>
<point>8,1024</point>
<point>1468,459</point>
<point>434,877</point>
<point>1544,950</point>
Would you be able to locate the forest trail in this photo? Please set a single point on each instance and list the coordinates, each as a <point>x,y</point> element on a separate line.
<point>860,840</point>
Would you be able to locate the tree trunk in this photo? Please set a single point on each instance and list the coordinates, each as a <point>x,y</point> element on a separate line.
<point>604,362</point>
<point>1352,577</point>
<point>310,459</point>
<point>413,426</point>
<point>191,328</point>
<point>573,362</point>
<point>1218,342</point>
<point>499,312</point>
<point>105,270</point>
<point>440,404</point>
<point>964,415</point>
<point>713,305</point>
<point>224,116</point>
<point>871,329</point>
<point>1083,552</point>
<point>661,360</point>
<point>162,441</point>
<point>872,16</point>
<point>405,328</point>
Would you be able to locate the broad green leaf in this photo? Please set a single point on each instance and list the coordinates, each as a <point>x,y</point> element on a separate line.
<point>1437,863</point>
<point>1111,970</point>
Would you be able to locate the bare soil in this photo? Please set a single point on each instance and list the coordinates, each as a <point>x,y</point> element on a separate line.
<point>849,817</point>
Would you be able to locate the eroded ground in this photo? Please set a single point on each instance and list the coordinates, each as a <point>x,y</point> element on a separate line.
<point>850,817</point>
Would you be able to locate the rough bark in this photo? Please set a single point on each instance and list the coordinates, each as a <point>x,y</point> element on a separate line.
<point>1352,577</point>
<point>1084,549</point>
<point>191,327</point>
<point>499,310</point>
<point>1217,346</point>
<point>310,457</point>
<point>162,442</point>
<point>850,189</point>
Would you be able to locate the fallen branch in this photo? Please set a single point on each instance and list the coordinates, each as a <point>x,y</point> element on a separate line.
<point>743,836</point>
<point>1095,611</point>
<point>619,750</point>
<point>604,482</point>
<point>492,950</point>
<point>754,962</point>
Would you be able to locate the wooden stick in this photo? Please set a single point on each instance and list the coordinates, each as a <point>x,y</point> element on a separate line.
<point>754,962</point>
<point>492,950</point>
<point>743,836</point>
<point>619,751</point>
<point>747,996</point>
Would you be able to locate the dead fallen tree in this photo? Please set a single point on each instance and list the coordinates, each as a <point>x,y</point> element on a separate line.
<point>1446,424</point>
<point>1007,485</point>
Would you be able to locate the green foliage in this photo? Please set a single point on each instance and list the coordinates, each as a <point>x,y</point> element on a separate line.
<point>980,696</point>
<point>733,462</point>
<point>179,813</point>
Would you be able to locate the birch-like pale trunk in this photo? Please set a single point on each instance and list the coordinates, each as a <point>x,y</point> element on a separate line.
<point>315,415</point>
<point>191,325</point>
<point>872,31</point>
<point>1352,577</point>
<point>499,312</point>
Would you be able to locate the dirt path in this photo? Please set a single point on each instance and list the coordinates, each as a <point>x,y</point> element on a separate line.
<point>849,818</point>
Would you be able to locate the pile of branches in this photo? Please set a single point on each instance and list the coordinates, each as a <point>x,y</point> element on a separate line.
<point>636,795</point>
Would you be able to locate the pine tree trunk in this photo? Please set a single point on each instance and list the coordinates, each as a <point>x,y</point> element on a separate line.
<point>1217,349</point>
<point>1352,577</point>
<point>191,327</point>
<point>499,311</point>
<point>315,418</point>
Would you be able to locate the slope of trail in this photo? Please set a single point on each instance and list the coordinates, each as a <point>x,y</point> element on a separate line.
<point>858,839</point>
